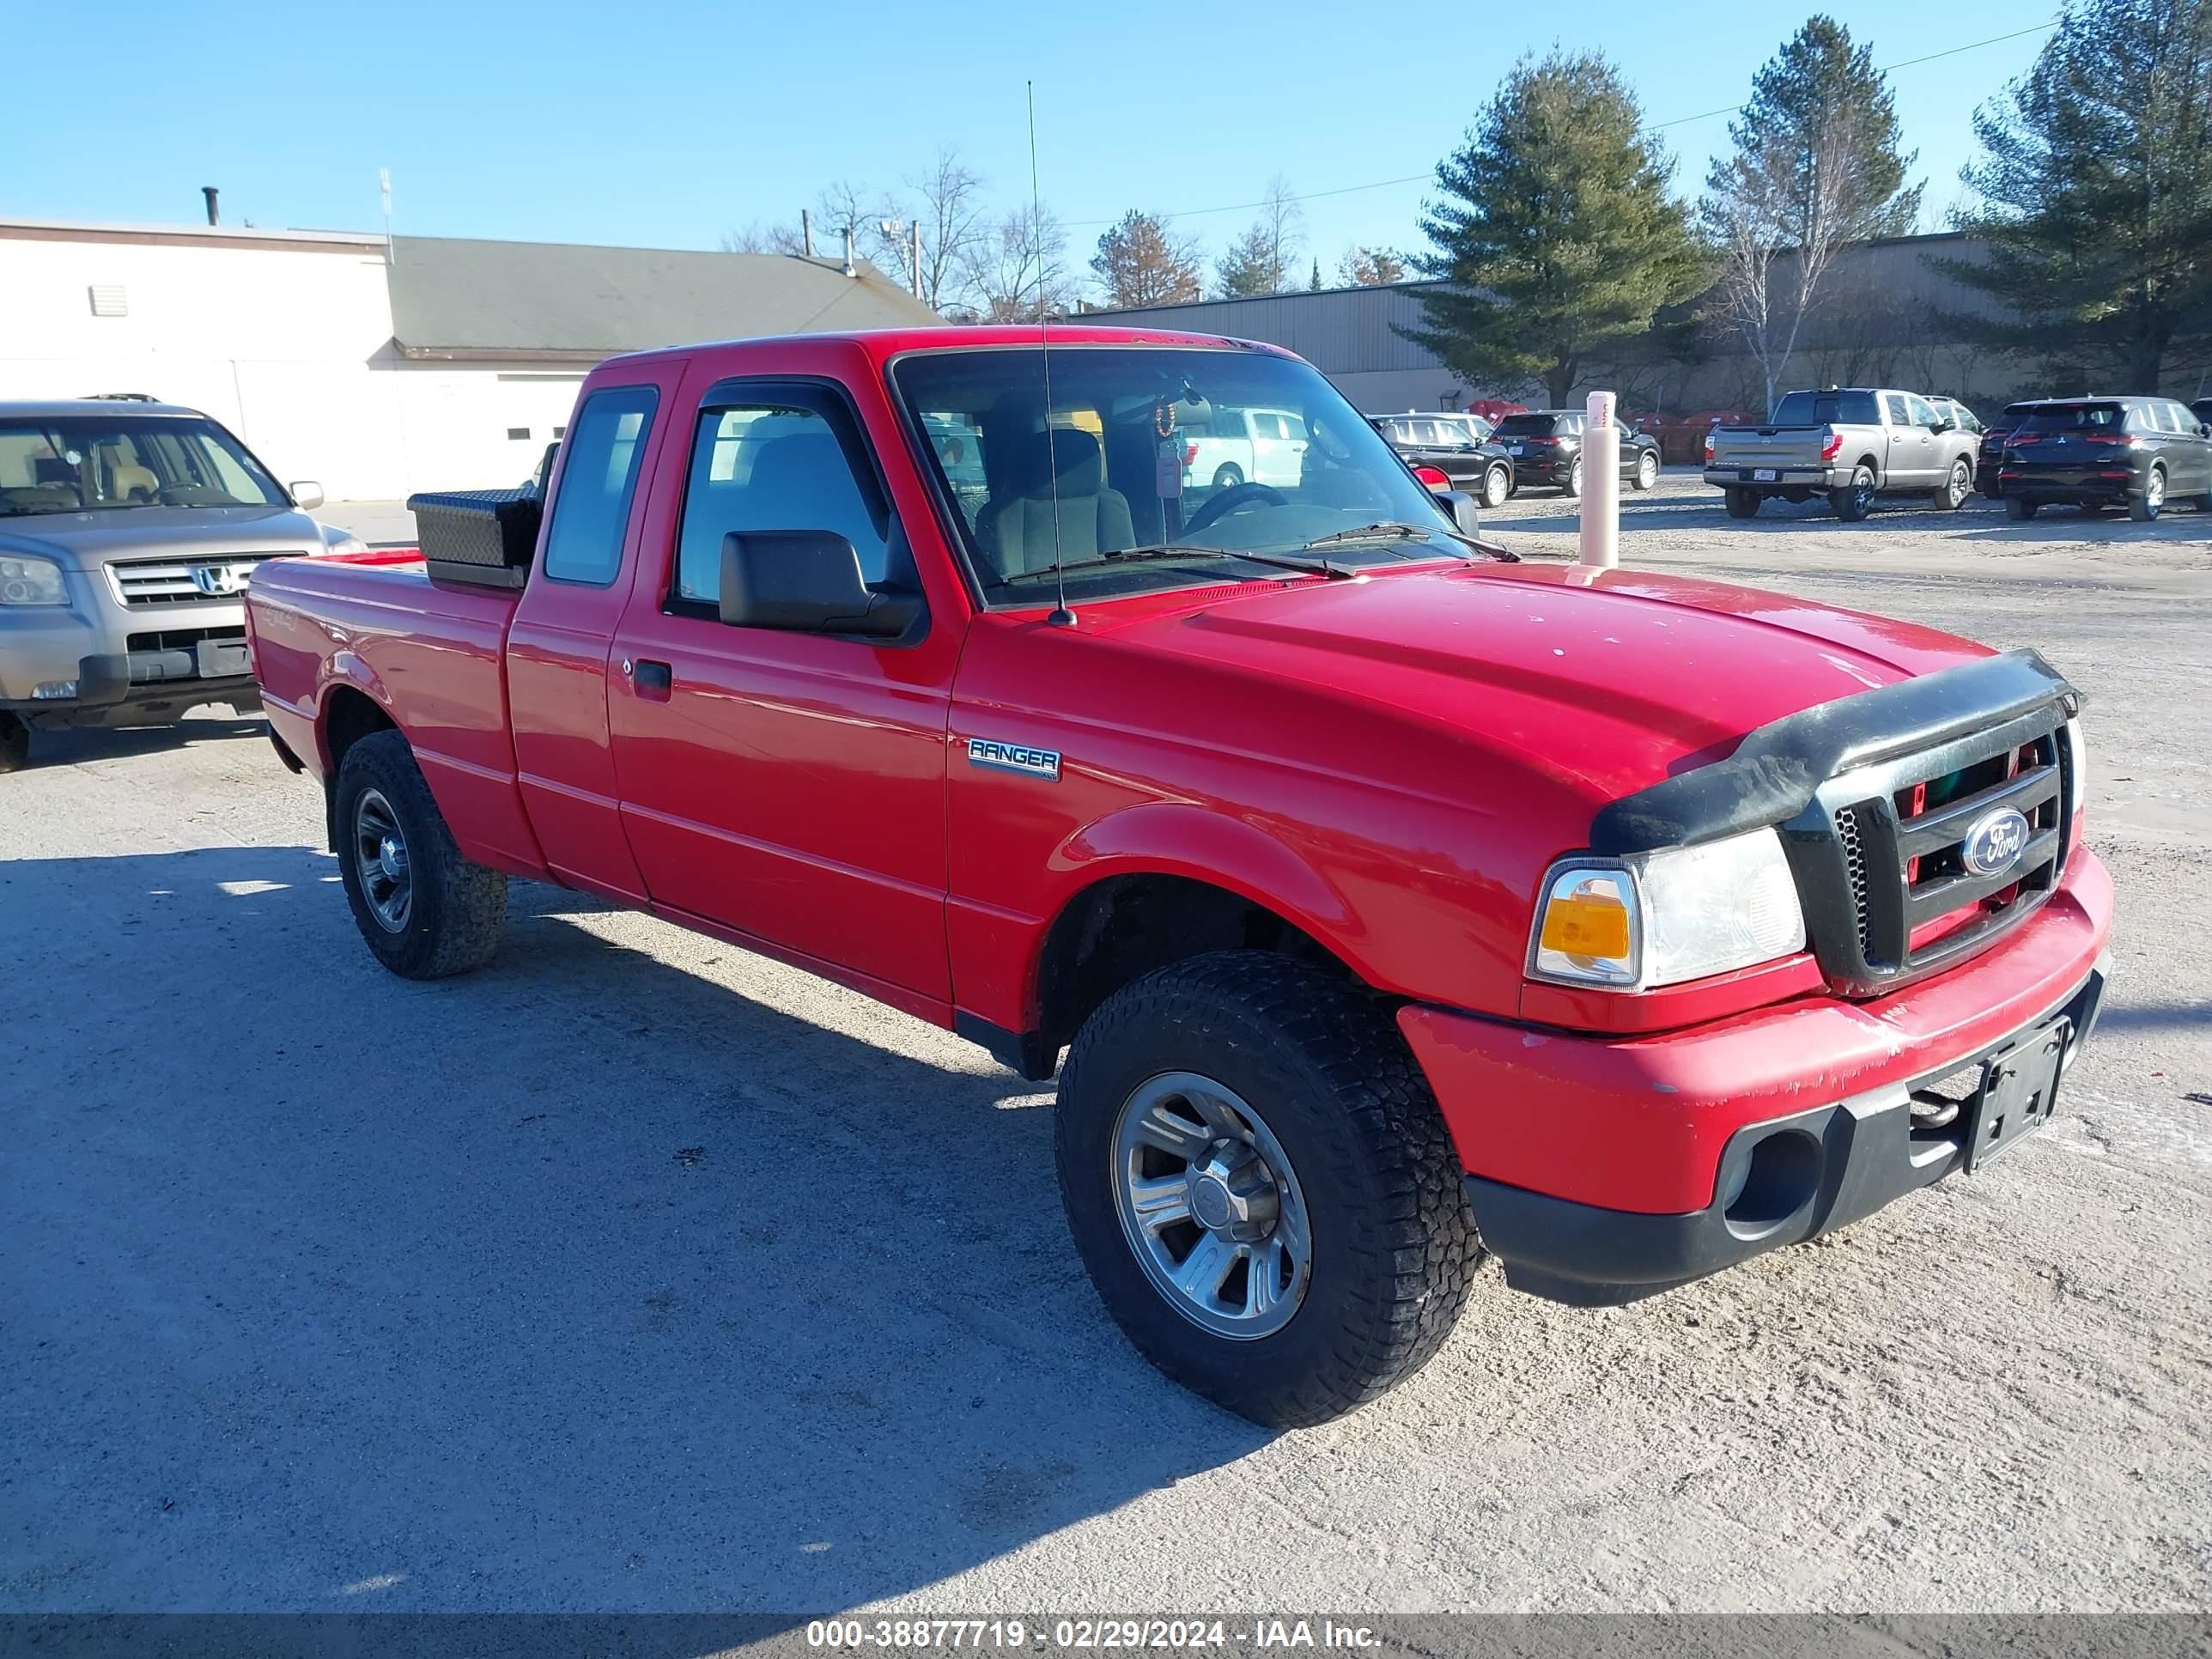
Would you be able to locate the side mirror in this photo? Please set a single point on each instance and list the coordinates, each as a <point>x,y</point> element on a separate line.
<point>2204,428</point>
<point>306,494</point>
<point>1465,510</point>
<point>806,581</point>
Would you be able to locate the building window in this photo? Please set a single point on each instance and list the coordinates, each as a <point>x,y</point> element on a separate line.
<point>522,432</point>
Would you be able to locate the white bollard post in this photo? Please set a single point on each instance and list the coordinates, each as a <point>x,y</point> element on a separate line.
<point>1600,544</point>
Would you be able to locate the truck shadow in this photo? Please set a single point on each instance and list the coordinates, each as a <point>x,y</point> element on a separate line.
<point>69,747</point>
<point>583,1282</point>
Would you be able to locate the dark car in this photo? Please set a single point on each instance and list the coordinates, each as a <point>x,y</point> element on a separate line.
<point>1989,460</point>
<point>1546,447</point>
<point>1483,469</point>
<point>2137,452</point>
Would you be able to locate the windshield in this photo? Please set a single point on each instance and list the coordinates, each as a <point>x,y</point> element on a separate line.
<point>2070,418</point>
<point>1827,408</point>
<point>79,463</point>
<point>1217,452</point>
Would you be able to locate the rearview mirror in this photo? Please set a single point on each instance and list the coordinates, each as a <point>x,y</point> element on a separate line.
<point>1465,510</point>
<point>306,494</point>
<point>808,581</point>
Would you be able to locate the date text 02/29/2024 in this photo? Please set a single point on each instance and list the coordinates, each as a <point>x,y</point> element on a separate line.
<point>1082,1635</point>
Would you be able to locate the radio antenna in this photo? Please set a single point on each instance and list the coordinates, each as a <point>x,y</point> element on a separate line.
<point>1062,617</point>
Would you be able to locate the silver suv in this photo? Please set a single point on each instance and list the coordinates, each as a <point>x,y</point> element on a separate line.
<point>128,531</point>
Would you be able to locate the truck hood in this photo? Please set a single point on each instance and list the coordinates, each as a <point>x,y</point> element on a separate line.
<point>85,540</point>
<point>1608,680</point>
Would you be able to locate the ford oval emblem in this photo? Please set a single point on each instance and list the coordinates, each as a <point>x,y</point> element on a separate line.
<point>1996,841</point>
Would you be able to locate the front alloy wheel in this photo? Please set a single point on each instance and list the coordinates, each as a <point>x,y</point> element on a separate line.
<point>1647,470</point>
<point>1210,1203</point>
<point>1497,486</point>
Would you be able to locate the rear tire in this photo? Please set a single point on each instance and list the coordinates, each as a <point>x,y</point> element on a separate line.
<point>2146,508</point>
<point>425,911</point>
<point>2019,509</point>
<point>1243,1058</point>
<point>1743,503</point>
<point>1855,500</point>
<point>1227,477</point>
<point>15,744</point>
<point>1951,495</point>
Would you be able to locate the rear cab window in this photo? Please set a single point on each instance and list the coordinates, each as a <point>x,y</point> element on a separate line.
<point>1827,408</point>
<point>591,510</point>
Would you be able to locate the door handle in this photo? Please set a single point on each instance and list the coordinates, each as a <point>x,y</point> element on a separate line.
<point>654,680</point>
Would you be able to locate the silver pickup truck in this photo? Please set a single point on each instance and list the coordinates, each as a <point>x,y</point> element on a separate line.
<point>128,531</point>
<point>1848,445</point>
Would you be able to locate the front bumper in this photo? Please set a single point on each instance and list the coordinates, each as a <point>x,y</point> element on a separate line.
<point>1597,1167</point>
<point>130,668</point>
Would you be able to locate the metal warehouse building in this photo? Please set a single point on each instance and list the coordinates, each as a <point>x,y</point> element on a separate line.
<point>379,368</point>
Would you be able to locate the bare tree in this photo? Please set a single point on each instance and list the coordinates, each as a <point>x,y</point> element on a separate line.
<point>760,238</point>
<point>1259,261</point>
<point>1019,265</point>
<point>954,220</point>
<point>843,206</point>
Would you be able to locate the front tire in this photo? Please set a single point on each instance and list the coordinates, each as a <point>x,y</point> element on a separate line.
<point>1227,477</point>
<point>1647,472</point>
<point>1574,484</point>
<point>425,911</point>
<point>1743,503</point>
<point>15,744</point>
<point>1855,500</point>
<point>1237,1115</point>
<point>1497,486</point>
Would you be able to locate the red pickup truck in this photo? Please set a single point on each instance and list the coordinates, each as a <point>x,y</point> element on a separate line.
<point>1393,903</point>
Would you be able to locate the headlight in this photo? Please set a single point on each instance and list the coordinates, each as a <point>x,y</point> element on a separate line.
<point>27,581</point>
<point>2077,768</point>
<point>343,544</point>
<point>1662,918</point>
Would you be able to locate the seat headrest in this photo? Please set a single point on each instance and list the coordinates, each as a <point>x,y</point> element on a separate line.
<point>798,459</point>
<point>1070,451</point>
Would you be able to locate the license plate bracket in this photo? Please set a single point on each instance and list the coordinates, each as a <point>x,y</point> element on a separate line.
<point>1764,475</point>
<point>222,659</point>
<point>2018,1092</point>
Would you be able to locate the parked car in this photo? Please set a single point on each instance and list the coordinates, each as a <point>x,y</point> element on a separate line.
<point>2201,409</point>
<point>1546,447</point>
<point>128,531</point>
<point>1392,905</point>
<point>1230,447</point>
<point>1961,416</point>
<point>1989,453</point>
<point>1484,470</point>
<point>2137,452</point>
<point>1851,445</point>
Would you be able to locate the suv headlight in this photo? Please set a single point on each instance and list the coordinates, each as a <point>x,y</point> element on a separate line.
<point>27,581</point>
<point>1662,918</point>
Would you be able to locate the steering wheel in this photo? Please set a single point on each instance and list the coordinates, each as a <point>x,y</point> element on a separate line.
<point>1235,499</point>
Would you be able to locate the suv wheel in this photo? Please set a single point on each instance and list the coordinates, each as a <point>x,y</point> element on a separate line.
<point>1743,503</point>
<point>425,910</point>
<point>1647,470</point>
<point>1259,1183</point>
<point>2147,507</point>
<point>2018,508</point>
<point>1953,494</point>
<point>1855,500</point>
<point>15,744</point>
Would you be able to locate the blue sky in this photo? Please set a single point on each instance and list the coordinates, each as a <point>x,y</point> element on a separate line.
<point>664,124</point>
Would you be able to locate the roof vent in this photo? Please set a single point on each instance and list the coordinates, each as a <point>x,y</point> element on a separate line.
<point>108,299</point>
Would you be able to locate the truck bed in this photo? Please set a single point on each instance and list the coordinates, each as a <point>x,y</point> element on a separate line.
<point>326,627</point>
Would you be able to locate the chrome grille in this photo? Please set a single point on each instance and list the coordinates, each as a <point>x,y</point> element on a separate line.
<point>142,582</point>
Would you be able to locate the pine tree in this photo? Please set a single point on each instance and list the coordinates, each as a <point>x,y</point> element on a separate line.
<point>1815,168</point>
<point>1554,230</point>
<point>1261,261</point>
<point>1139,263</point>
<point>2097,173</point>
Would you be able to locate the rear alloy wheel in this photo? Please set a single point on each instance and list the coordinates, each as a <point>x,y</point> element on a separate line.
<point>15,744</point>
<point>1497,486</point>
<point>1227,477</point>
<point>2020,510</point>
<point>1743,503</point>
<point>1259,1182</point>
<point>2146,508</point>
<point>1856,499</point>
<point>1647,472</point>
<point>1955,489</point>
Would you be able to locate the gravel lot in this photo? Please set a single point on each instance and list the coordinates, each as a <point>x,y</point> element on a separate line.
<point>635,1273</point>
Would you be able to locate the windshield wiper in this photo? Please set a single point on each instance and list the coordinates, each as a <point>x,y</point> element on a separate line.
<point>1169,550</point>
<point>1398,530</point>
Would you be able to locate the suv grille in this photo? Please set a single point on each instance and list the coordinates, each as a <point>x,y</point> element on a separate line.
<point>184,582</point>
<point>1882,858</point>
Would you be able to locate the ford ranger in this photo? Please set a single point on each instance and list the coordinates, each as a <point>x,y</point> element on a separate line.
<point>1850,445</point>
<point>1392,902</point>
<point>128,529</point>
